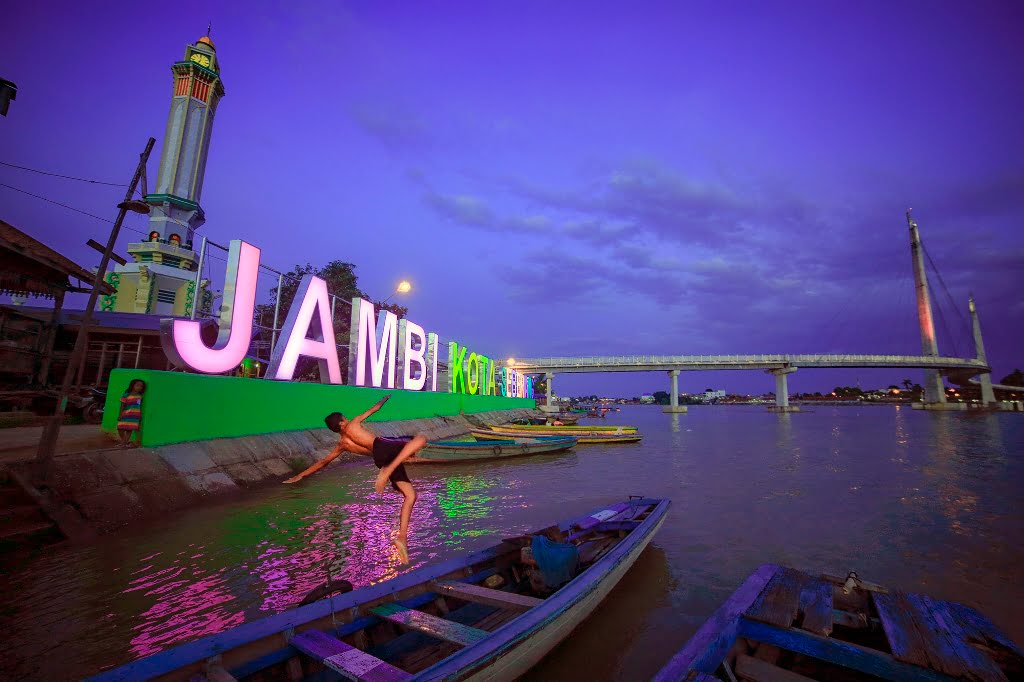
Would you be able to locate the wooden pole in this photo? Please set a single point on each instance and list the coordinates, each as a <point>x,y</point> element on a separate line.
<point>48,441</point>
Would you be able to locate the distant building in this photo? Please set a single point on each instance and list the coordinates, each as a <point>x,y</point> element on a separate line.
<point>647,399</point>
<point>713,395</point>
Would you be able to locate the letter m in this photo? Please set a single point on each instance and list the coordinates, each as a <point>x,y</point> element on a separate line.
<point>375,348</point>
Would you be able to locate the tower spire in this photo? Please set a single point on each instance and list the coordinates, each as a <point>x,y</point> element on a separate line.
<point>934,390</point>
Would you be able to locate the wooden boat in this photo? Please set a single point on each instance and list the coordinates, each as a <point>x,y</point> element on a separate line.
<point>582,437</point>
<point>533,429</point>
<point>464,451</point>
<point>782,624</point>
<point>471,617</point>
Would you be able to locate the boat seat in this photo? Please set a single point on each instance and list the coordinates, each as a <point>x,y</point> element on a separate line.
<point>440,628</point>
<point>344,659</point>
<point>485,595</point>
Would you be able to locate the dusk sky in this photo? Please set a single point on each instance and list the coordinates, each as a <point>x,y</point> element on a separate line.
<point>572,178</point>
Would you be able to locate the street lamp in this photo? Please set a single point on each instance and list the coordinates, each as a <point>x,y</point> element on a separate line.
<point>404,287</point>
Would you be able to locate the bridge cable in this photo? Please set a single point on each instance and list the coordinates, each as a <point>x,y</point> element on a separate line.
<point>963,321</point>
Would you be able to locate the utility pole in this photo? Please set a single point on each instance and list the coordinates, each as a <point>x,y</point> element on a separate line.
<point>48,441</point>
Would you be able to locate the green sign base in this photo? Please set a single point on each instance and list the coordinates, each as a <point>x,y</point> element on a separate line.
<point>179,407</point>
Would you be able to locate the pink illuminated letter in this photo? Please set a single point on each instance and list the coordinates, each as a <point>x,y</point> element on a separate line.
<point>312,314</point>
<point>181,339</point>
<point>366,347</point>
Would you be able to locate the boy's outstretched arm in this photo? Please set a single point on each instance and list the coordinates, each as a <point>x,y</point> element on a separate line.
<point>333,455</point>
<point>373,410</point>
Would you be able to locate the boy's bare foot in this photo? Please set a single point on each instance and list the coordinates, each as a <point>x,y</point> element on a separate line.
<point>403,551</point>
<point>382,481</point>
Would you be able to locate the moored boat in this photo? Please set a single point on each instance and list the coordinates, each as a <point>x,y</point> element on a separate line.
<point>464,451</point>
<point>559,430</point>
<point>490,615</point>
<point>782,624</point>
<point>582,437</point>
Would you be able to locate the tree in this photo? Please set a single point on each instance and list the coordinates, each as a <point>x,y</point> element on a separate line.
<point>662,398</point>
<point>1015,378</point>
<point>342,282</point>
<point>907,383</point>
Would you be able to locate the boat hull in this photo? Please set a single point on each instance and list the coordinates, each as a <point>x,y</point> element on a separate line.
<point>530,638</point>
<point>503,449</point>
<point>562,430</point>
<point>581,438</point>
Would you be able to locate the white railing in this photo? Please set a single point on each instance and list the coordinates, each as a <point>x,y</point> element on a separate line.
<point>825,360</point>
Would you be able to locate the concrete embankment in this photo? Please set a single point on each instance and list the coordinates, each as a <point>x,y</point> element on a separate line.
<point>113,487</point>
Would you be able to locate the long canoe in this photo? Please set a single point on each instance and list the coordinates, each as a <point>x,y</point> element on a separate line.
<point>472,617</point>
<point>562,430</point>
<point>581,437</point>
<point>466,451</point>
<point>782,624</point>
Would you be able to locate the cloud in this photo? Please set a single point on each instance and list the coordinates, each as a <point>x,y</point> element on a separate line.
<point>394,125</point>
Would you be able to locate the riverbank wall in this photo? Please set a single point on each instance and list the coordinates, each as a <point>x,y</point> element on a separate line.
<point>111,488</point>
<point>208,437</point>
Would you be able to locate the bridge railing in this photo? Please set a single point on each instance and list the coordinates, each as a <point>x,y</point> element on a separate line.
<point>780,359</point>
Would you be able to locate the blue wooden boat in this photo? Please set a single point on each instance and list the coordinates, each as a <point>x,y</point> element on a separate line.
<point>490,615</point>
<point>471,451</point>
<point>784,625</point>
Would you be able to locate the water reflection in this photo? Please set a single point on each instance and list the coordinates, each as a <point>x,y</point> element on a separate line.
<point>911,499</point>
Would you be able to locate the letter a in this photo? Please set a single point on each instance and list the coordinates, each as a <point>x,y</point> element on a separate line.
<point>181,339</point>
<point>313,298</point>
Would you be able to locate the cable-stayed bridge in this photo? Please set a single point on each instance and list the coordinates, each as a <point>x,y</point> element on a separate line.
<point>935,366</point>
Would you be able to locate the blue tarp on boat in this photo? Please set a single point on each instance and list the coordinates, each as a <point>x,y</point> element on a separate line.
<point>557,561</point>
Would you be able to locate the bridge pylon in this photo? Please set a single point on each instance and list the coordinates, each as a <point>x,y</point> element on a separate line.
<point>988,396</point>
<point>934,389</point>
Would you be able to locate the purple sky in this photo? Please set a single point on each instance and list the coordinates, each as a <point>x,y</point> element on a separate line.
<point>669,178</point>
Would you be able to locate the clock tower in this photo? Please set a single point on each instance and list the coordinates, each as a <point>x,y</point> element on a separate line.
<point>162,278</point>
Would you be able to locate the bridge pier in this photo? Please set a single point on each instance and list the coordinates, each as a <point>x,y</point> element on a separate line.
<point>782,390</point>
<point>673,406</point>
<point>549,378</point>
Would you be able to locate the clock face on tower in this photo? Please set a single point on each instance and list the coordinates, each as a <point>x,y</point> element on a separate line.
<point>200,59</point>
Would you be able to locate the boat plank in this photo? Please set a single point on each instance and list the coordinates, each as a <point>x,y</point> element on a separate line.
<point>485,595</point>
<point>905,640</point>
<point>779,602</point>
<point>977,626</point>
<point>816,605</point>
<point>838,652</point>
<point>709,645</point>
<point>440,628</point>
<point>603,515</point>
<point>762,671</point>
<point>344,659</point>
<point>696,676</point>
<point>950,646</point>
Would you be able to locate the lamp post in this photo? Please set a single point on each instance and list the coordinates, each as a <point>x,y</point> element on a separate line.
<point>48,441</point>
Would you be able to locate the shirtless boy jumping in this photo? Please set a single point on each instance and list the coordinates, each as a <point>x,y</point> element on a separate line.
<point>387,454</point>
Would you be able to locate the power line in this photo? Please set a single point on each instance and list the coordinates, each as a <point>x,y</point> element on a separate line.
<point>59,175</point>
<point>70,208</point>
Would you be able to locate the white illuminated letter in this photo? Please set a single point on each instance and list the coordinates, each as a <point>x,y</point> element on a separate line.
<point>431,361</point>
<point>376,349</point>
<point>313,300</point>
<point>410,353</point>
<point>181,339</point>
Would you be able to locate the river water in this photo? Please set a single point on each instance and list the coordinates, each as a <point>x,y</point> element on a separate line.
<point>920,501</point>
